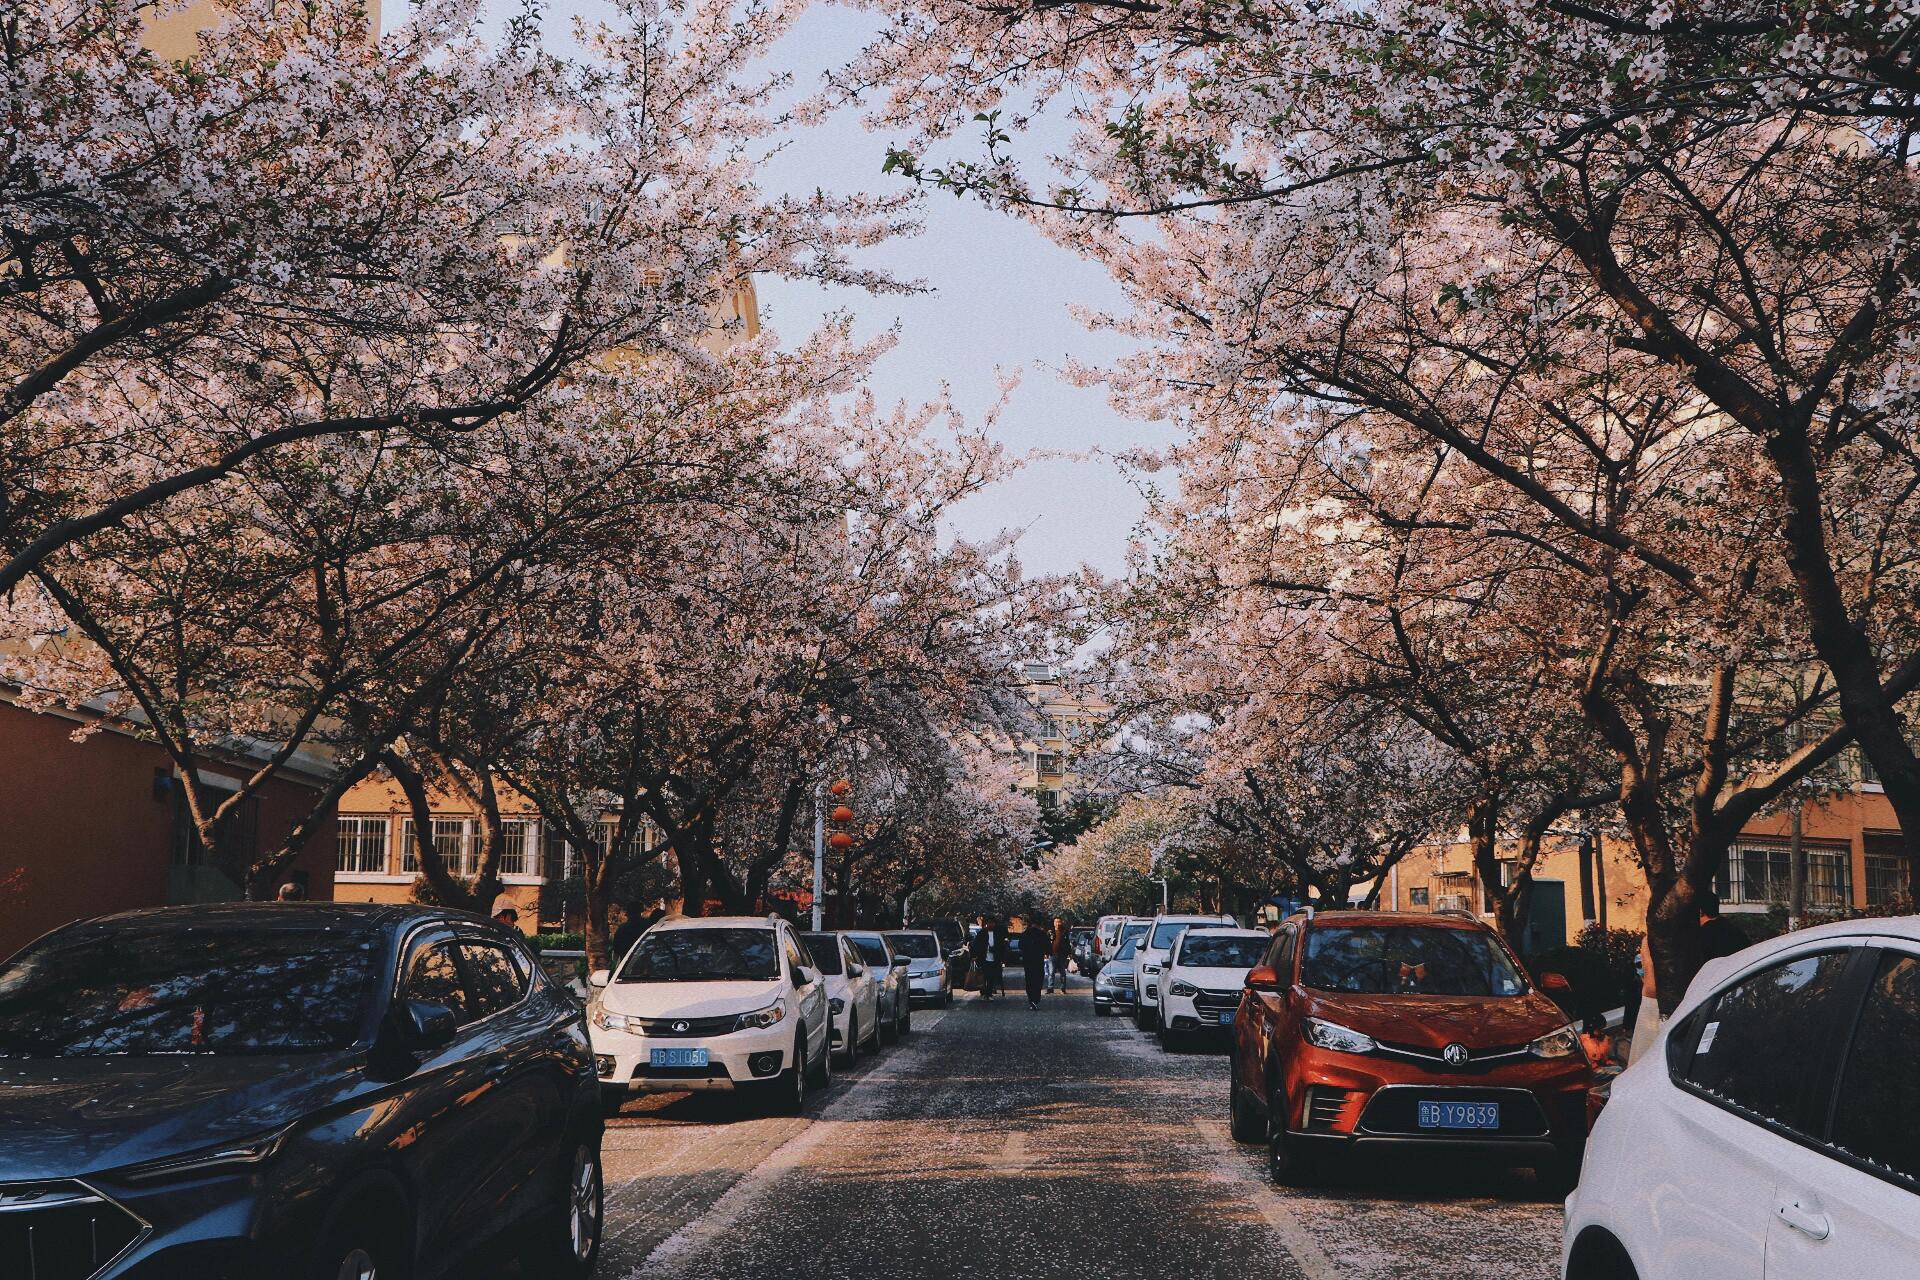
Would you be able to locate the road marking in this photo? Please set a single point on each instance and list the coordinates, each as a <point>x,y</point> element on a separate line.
<point>1293,1234</point>
<point>851,1103</point>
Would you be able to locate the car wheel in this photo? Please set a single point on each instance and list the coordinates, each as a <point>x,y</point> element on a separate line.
<point>1168,1040</point>
<point>1141,1017</point>
<point>906,1016</point>
<point>851,1053</point>
<point>1290,1162</point>
<point>362,1245</point>
<point>1598,1256</point>
<point>885,1029</point>
<point>1243,1121</point>
<point>568,1243</point>
<point>789,1092</point>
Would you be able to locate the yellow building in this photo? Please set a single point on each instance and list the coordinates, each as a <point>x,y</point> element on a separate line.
<point>1853,857</point>
<point>1067,720</point>
<point>171,35</point>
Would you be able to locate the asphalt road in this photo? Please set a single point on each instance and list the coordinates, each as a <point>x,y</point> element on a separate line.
<point>995,1141</point>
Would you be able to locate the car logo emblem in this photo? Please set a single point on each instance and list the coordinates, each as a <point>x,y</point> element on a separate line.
<point>1455,1055</point>
<point>682,1026</point>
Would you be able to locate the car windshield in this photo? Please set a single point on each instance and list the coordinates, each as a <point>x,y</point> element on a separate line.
<point>150,988</point>
<point>872,949</point>
<point>1132,931</point>
<point>920,946</point>
<point>1127,949</point>
<point>1407,960</point>
<point>1202,952</point>
<point>949,932</point>
<point>825,950</point>
<point>1164,935</point>
<point>702,955</point>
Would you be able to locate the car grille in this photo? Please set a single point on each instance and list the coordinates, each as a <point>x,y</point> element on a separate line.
<point>672,1028</point>
<point>1325,1106</point>
<point>1123,980</point>
<point>1477,1059</point>
<point>61,1231</point>
<point>1217,1001</point>
<point>712,1071</point>
<point>1395,1110</point>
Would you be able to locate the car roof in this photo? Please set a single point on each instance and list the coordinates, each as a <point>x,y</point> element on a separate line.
<point>1229,931</point>
<point>915,929</point>
<point>1394,919</point>
<point>1176,918</point>
<point>291,915</point>
<point>716,922</point>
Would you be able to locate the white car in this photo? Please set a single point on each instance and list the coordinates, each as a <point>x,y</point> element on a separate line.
<point>1774,1128</point>
<point>712,1003</point>
<point>853,994</point>
<point>1201,983</point>
<point>890,976</point>
<point>929,979</point>
<point>1152,957</point>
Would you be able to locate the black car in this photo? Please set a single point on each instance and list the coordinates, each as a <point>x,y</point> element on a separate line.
<point>292,1090</point>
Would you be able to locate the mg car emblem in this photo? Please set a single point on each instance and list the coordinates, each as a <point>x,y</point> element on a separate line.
<point>681,1026</point>
<point>1455,1055</point>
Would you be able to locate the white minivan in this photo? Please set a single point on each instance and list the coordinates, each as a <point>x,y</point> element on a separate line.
<point>1774,1128</point>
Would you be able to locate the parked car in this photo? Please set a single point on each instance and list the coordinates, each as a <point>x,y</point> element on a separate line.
<point>1113,990</point>
<point>1203,979</point>
<point>1403,1031</point>
<point>1106,940</point>
<point>929,977</point>
<point>1774,1126</point>
<point>890,975</point>
<point>1152,957</point>
<point>953,945</point>
<point>713,1003</point>
<point>280,1089</point>
<point>1080,946</point>
<point>853,994</point>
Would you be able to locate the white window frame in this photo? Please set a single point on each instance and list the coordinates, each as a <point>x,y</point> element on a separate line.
<point>362,839</point>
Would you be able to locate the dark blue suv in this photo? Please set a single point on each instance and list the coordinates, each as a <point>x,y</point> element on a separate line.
<point>332,1091</point>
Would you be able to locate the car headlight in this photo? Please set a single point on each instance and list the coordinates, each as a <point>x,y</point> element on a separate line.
<point>613,1021</point>
<point>837,1005</point>
<point>1183,988</point>
<point>1149,968</point>
<point>1563,1043</point>
<point>766,1017</point>
<point>251,1151</point>
<point>1331,1035</point>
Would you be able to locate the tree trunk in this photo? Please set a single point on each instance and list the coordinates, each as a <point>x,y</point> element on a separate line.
<point>598,936</point>
<point>447,891</point>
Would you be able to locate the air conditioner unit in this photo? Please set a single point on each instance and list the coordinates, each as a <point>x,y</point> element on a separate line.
<point>1452,902</point>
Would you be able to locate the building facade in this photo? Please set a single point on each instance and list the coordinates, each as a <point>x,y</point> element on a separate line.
<point>1067,719</point>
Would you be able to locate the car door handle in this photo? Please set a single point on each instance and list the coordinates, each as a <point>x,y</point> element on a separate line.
<point>1815,1226</point>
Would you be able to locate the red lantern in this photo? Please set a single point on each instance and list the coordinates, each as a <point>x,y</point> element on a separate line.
<point>841,787</point>
<point>840,840</point>
<point>841,813</point>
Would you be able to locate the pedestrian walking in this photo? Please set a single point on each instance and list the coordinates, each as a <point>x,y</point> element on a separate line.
<point>1035,945</point>
<point>997,956</point>
<point>1062,952</point>
<point>982,948</point>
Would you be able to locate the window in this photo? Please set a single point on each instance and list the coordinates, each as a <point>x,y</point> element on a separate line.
<point>435,979</point>
<point>1419,896</point>
<point>1408,959</point>
<point>703,955</point>
<point>449,839</point>
<point>794,961</point>
<point>1759,1042</point>
<point>1877,1117</point>
<point>1049,764</point>
<point>825,948</point>
<point>1886,868</point>
<point>519,846</point>
<point>497,982</point>
<point>1760,872</point>
<point>363,845</point>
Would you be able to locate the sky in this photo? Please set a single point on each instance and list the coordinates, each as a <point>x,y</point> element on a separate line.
<point>997,300</point>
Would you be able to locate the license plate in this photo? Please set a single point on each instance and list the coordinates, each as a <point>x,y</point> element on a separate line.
<point>1459,1115</point>
<point>679,1057</point>
<point>1226,1019</point>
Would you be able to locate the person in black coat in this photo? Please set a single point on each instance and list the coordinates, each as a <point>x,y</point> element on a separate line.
<point>986,954</point>
<point>1035,944</point>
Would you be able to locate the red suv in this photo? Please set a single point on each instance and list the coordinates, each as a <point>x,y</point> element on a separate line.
<point>1371,1029</point>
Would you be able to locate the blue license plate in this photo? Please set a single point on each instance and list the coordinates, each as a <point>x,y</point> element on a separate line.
<point>1459,1115</point>
<point>1226,1019</point>
<point>678,1057</point>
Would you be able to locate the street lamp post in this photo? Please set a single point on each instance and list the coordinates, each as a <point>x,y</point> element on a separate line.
<point>819,851</point>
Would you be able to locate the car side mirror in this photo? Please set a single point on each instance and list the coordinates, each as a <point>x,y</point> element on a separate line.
<point>903,962</point>
<point>599,978</point>
<point>1555,982</point>
<point>429,1026</point>
<point>803,976</point>
<point>1263,978</point>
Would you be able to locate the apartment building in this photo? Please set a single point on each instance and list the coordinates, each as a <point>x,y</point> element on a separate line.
<point>1067,720</point>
